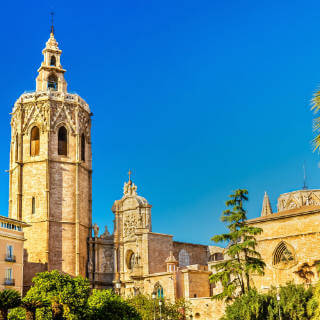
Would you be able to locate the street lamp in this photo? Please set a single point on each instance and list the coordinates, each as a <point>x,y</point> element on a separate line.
<point>118,287</point>
<point>154,305</point>
<point>278,299</point>
<point>160,304</point>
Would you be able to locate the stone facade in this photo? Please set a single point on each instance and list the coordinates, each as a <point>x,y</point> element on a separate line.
<point>50,171</point>
<point>290,241</point>
<point>11,253</point>
<point>142,261</point>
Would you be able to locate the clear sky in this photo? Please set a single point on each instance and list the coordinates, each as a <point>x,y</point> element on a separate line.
<point>198,98</point>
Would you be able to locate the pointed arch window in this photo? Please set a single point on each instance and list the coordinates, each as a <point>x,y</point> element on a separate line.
<point>35,141</point>
<point>158,289</point>
<point>53,61</point>
<point>33,205</point>
<point>184,259</point>
<point>62,141</point>
<point>83,148</point>
<point>283,255</point>
<point>53,82</point>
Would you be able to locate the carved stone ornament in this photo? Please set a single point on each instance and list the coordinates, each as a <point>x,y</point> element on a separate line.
<point>106,233</point>
<point>130,189</point>
<point>96,230</point>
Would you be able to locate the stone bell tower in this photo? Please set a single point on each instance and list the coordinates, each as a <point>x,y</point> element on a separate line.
<point>50,171</point>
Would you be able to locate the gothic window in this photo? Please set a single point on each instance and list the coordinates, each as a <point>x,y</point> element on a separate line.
<point>35,141</point>
<point>158,289</point>
<point>184,259</point>
<point>62,141</point>
<point>53,61</point>
<point>283,256</point>
<point>83,148</point>
<point>33,205</point>
<point>53,82</point>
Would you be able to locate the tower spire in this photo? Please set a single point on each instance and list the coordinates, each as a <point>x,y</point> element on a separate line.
<point>305,187</point>
<point>52,25</point>
<point>130,173</point>
<point>266,206</point>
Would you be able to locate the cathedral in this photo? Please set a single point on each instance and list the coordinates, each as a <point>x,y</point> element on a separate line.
<point>50,189</point>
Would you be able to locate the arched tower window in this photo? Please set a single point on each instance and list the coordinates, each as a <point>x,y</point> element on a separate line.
<point>283,256</point>
<point>53,61</point>
<point>53,82</point>
<point>184,259</point>
<point>33,205</point>
<point>158,289</point>
<point>35,142</point>
<point>62,141</point>
<point>83,148</point>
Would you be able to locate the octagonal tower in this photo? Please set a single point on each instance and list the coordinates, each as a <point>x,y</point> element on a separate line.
<point>50,171</point>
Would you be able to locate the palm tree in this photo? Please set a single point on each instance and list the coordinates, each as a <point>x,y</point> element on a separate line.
<point>316,121</point>
<point>9,299</point>
<point>32,301</point>
<point>31,305</point>
<point>57,310</point>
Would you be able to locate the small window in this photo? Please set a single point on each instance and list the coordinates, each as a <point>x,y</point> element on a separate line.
<point>216,257</point>
<point>53,82</point>
<point>35,142</point>
<point>33,205</point>
<point>9,274</point>
<point>83,148</point>
<point>9,251</point>
<point>62,141</point>
<point>158,289</point>
<point>53,61</point>
<point>195,295</point>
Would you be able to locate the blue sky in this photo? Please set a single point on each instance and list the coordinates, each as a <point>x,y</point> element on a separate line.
<point>198,98</point>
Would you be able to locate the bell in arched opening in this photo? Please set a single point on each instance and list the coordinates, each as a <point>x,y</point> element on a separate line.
<point>53,82</point>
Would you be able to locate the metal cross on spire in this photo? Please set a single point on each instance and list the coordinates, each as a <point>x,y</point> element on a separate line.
<point>52,26</point>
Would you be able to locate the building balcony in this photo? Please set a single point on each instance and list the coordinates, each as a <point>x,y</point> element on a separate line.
<point>10,258</point>
<point>9,282</point>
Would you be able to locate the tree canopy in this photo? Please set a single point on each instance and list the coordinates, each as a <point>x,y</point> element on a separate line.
<point>242,258</point>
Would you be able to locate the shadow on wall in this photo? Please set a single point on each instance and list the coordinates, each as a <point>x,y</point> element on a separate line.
<point>30,269</point>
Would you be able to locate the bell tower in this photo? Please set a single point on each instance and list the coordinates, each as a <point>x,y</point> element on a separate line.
<point>50,171</point>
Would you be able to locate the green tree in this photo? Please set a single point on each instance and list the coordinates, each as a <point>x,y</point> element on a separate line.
<point>293,304</point>
<point>242,259</point>
<point>251,306</point>
<point>314,304</point>
<point>148,308</point>
<point>294,299</point>
<point>9,299</point>
<point>106,305</point>
<point>67,296</point>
